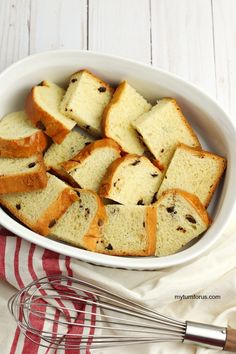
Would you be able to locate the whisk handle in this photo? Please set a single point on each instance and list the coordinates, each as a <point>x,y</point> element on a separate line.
<point>230,343</point>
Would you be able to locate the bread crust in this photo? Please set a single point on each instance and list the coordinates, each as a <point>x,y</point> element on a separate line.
<point>222,167</point>
<point>87,151</point>
<point>53,213</point>
<point>42,119</point>
<point>25,182</point>
<point>106,112</point>
<point>192,199</point>
<point>24,147</point>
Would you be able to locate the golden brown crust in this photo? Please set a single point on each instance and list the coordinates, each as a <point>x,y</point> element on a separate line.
<point>222,166</point>
<point>25,182</point>
<point>106,183</point>
<point>101,82</point>
<point>24,147</point>
<point>87,151</point>
<point>106,112</point>
<point>43,120</point>
<point>192,199</point>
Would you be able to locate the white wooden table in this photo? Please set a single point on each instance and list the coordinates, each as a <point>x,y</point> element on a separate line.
<point>195,39</point>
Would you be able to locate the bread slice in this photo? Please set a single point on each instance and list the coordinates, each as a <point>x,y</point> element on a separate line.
<point>131,179</point>
<point>129,231</point>
<point>42,107</point>
<point>125,107</point>
<point>196,172</point>
<point>163,128</point>
<point>180,218</point>
<point>85,100</point>
<point>41,209</point>
<point>81,224</point>
<point>73,143</point>
<point>22,174</point>
<point>88,168</point>
<point>19,138</point>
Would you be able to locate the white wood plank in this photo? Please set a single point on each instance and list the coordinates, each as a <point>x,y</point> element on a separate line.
<point>182,40</point>
<point>120,28</point>
<point>58,24</point>
<point>224,16</point>
<point>14,35</point>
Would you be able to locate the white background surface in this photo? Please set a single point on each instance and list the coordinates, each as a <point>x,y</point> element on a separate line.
<point>195,39</point>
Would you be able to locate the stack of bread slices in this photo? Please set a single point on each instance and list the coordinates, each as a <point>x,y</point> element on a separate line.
<point>133,181</point>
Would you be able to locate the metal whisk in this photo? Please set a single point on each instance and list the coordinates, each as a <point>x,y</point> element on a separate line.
<point>61,312</point>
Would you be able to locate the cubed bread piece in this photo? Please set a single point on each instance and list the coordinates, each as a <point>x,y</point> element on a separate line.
<point>88,168</point>
<point>41,209</point>
<point>180,218</point>
<point>85,100</point>
<point>18,136</point>
<point>163,128</point>
<point>23,174</point>
<point>131,179</point>
<point>129,231</point>
<point>42,107</point>
<point>81,224</point>
<point>73,143</point>
<point>196,172</point>
<point>125,107</point>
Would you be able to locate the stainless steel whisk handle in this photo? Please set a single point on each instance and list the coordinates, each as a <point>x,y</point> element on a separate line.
<point>210,336</point>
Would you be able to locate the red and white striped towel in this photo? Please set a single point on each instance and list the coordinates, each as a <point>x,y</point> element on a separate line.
<point>21,263</point>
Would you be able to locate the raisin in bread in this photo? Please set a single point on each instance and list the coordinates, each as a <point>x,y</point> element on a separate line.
<point>125,107</point>
<point>73,143</point>
<point>19,138</point>
<point>163,128</point>
<point>23,174</point>
<point>129,231</point>
<point>85,100</point>
<point>131,179</point>
<point>180,218</point>
<point>42,107</point>
<point>81,224</point>
<point>88,168</point>
<point>196,172</point>
<point>41,209</point>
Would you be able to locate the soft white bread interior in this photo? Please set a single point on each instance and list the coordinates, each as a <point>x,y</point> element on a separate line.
<point>125,107</point>
<point>180,218</point>
<point>131,179</point>
<point>81,223</point>
<point>85,100</point>
<point>163,128</point>
<point>195,171</point>
<point>129,231</point>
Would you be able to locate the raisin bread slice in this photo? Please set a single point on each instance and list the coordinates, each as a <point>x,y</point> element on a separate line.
<point>81,224</point>
<point>42,107</point>
<point>85,100</point>
<point>180,218</point>
<point>125,107</point>
<point>22,174</point>
<point>19,138</point>
<point>41,209</point>
<point>129,231</point>
<point>73,143</point>
<point>196,172</point>
<point>88,168</point>
<point>163,128</point>
<point>131,179</point>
